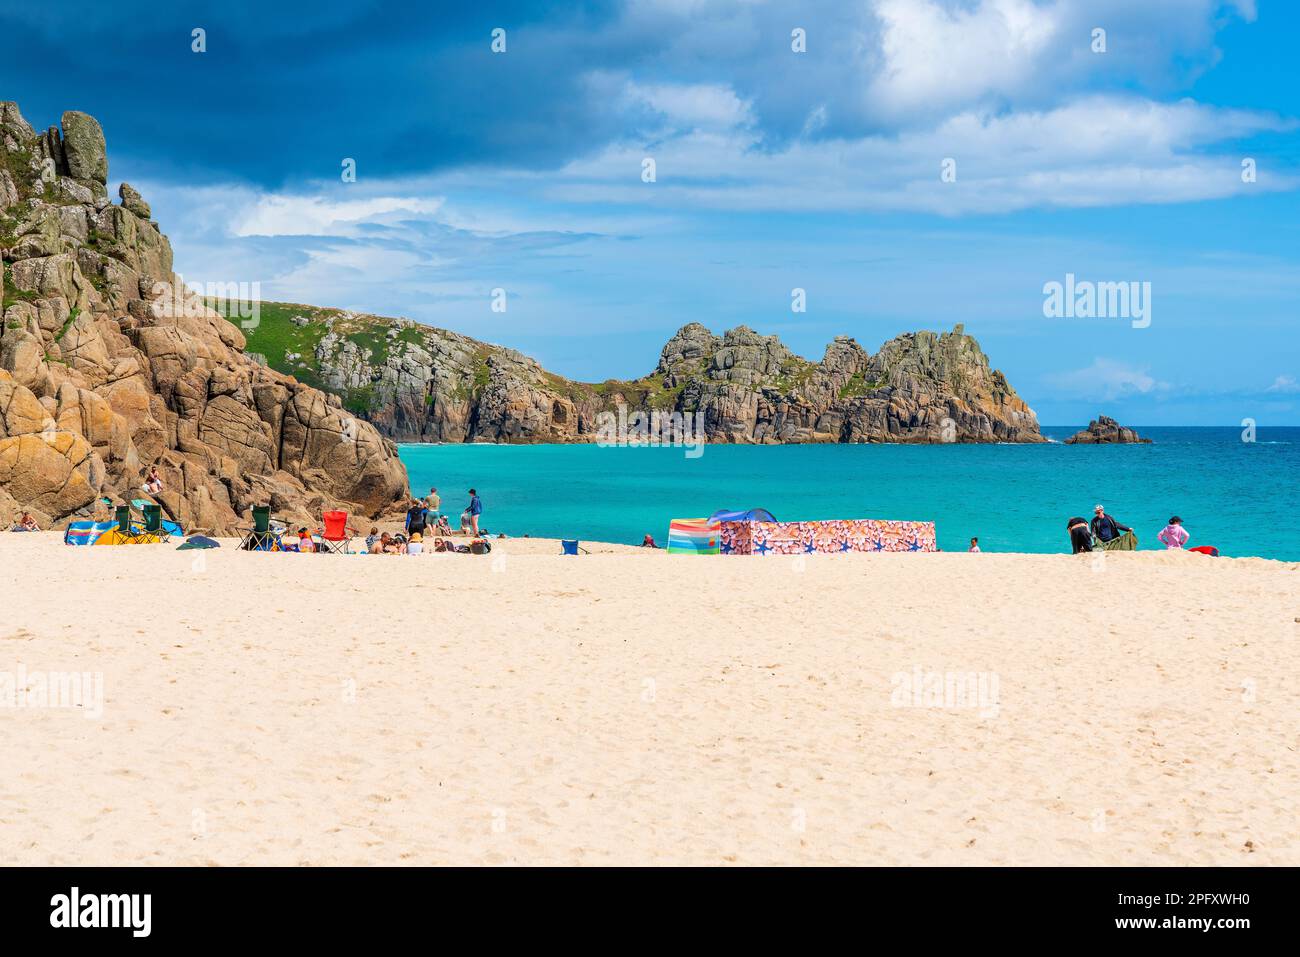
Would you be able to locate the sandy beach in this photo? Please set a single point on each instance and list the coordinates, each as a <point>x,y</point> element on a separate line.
<point>628,707</point>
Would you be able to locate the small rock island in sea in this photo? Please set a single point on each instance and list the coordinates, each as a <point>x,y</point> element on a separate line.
<point>1104,430</point>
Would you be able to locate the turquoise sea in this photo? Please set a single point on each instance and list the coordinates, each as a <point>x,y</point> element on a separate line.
<point>1232,494</point>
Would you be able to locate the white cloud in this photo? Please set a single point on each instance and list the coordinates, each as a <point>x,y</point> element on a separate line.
<point>935,56</point>
<point>692,106</point>
<point>1284,383</point>
<point>281,215</point>
<point>1095,151</point>
<point>1106,379</point>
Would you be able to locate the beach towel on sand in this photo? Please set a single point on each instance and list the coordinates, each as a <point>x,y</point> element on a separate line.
<point>1128,542</point>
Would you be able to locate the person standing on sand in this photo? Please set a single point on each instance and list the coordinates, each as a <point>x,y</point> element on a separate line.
<point>416,518</point>
<point>1174,535</point>
<point>1080,534</point>
<point>475,510</point>
<point>433,503</point>
<point>1105,527</point>
<point>974,545</point>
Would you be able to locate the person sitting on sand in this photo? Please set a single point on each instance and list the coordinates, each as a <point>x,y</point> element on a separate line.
<point>153,483</point>
<point>648,542</point>
<point>305,541</point>
<point>1080,534</point>
<point>372,538</point>
<point>26,523</point>
<point>416,545</point>
<point>974,545</point>
<point>395,545</point>
<point>1173,534</point>
<point>379,545</point>
<point>443,527</point>
<point>1104,527</point>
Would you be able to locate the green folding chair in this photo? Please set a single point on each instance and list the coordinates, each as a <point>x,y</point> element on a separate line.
<point>153,526</point>
<point>260,537</point>
<point>123,531</point>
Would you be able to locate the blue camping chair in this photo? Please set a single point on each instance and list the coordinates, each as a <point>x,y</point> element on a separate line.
<point>568,547</point>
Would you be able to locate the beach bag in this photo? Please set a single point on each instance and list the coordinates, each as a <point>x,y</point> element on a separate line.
<point>479,547</point>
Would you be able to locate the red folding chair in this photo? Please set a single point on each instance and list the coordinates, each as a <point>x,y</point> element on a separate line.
<point>336,537</point>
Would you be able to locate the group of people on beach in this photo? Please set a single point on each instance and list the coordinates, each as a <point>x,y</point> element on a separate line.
<point>1104,528</point>
<point>1087,536</point>
<point>425,517</point>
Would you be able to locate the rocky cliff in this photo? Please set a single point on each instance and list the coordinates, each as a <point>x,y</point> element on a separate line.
<point>418,383</point>
<point>108,365</point>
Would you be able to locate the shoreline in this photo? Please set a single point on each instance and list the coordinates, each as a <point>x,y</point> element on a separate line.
<point>1015,501</point>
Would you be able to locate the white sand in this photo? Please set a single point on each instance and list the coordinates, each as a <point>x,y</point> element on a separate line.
<point>631,707</point>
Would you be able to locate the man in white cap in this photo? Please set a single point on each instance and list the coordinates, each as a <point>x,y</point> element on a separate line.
<point>1104,528</point>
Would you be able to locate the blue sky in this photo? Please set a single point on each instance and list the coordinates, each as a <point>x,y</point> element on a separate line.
<point>819,170</point>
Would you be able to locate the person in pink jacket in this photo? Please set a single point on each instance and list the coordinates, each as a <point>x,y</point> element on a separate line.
<point>1173,534</point>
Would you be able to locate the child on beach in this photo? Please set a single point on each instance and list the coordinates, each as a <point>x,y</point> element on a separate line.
<point>974,545</point>
<point>416,545</point>
<point>1173,534</point>
<point>372,538</point>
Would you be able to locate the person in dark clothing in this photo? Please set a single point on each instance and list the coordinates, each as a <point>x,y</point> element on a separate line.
<point>474,510</point>
<point>1105,527</point>
<point>416,518</point>
<point>1080,535</point>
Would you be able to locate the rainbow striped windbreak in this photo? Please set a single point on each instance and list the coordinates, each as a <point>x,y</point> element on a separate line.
<point>694,536</point>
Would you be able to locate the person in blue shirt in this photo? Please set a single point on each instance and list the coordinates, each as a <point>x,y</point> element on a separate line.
<point>475,510</point>
<point>1105,527</point>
